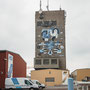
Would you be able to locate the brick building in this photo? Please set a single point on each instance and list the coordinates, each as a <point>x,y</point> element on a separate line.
<point>11,65</point>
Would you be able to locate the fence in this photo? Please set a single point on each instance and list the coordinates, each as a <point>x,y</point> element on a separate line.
<point>83,85</point>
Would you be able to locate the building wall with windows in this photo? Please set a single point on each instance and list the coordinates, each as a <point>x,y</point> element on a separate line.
<point>50,49</point>
<point>81,74</point>
<point>50,77</point>
<point>50,40</point>
<point>43,63</point>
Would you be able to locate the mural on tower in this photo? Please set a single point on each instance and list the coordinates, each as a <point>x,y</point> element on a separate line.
<point>50,43</point>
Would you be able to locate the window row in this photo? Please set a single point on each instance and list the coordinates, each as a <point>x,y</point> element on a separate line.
<point>45,61</point>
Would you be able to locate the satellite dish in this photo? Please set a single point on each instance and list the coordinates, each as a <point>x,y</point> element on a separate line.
<point>40,11</point>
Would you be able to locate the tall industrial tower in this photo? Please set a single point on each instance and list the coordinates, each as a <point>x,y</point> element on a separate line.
<point>50,50</point>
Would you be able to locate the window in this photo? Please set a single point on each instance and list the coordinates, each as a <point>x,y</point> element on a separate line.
<point>38,61</point>
<point>38,83</point>
<point>49,79</point>
<point>46,61</point>
<point>53,23</point>
<point>54,61</point>
<point>27,82</point>
<point>39,23</point>
<point>46,23</point>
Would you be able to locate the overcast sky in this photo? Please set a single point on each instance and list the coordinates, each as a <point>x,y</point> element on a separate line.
<point>17,29</point>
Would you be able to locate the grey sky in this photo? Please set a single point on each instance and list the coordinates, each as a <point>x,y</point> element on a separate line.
<point>17,29</point>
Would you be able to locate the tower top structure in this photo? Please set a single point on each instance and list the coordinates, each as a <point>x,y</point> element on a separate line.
<point>40,11</point>
<point>60,7</point>
<point>47,5</point>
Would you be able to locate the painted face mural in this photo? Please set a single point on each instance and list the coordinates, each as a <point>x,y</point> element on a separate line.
<point>51,33</point>
<point>50,44</point>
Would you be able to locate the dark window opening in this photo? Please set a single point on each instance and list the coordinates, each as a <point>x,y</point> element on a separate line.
<point>49,79</point>
<point>46,61</point>
<point>54,61</point>
<point>46,23</point>
<point>38,62</point>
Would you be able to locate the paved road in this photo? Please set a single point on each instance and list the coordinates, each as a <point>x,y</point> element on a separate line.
<point>56,88</point>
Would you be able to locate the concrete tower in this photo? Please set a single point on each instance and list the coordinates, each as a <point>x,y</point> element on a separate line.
<point>50,50</point>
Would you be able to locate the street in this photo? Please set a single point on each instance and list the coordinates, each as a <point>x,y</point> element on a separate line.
<point>56,88</point>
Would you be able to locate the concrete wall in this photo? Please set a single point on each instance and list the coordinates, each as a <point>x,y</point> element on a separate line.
<point>49,73</point>
<point>44,45</point>
<point>80,74</point>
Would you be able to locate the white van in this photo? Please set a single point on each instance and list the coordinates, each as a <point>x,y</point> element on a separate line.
<point>41,86</point>
<point>19,83</point>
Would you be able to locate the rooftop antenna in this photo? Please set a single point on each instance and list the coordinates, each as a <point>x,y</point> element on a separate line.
<point>60,7</point>
<point>40,11</point>
<point>47,5</point>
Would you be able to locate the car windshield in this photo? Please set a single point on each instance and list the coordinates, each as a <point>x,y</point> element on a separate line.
<point>31,81</point>
<point>38,83</point>
<point>27,82</point>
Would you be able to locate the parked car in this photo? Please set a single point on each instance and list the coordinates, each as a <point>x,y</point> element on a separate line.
<point>41,86</point>
<point>19,83</point>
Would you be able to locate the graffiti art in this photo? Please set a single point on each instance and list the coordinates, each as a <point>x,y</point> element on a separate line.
<point>50,45</point>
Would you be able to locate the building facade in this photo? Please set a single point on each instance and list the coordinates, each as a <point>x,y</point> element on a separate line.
<point>11,65</point>
<point>81,74</point>
<point>51,77</point>
<point>50,51</point>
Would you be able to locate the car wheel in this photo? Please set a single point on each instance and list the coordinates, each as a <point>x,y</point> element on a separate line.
<point>40,88</point>
<point>10,89</point>
<point>31,89</point>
